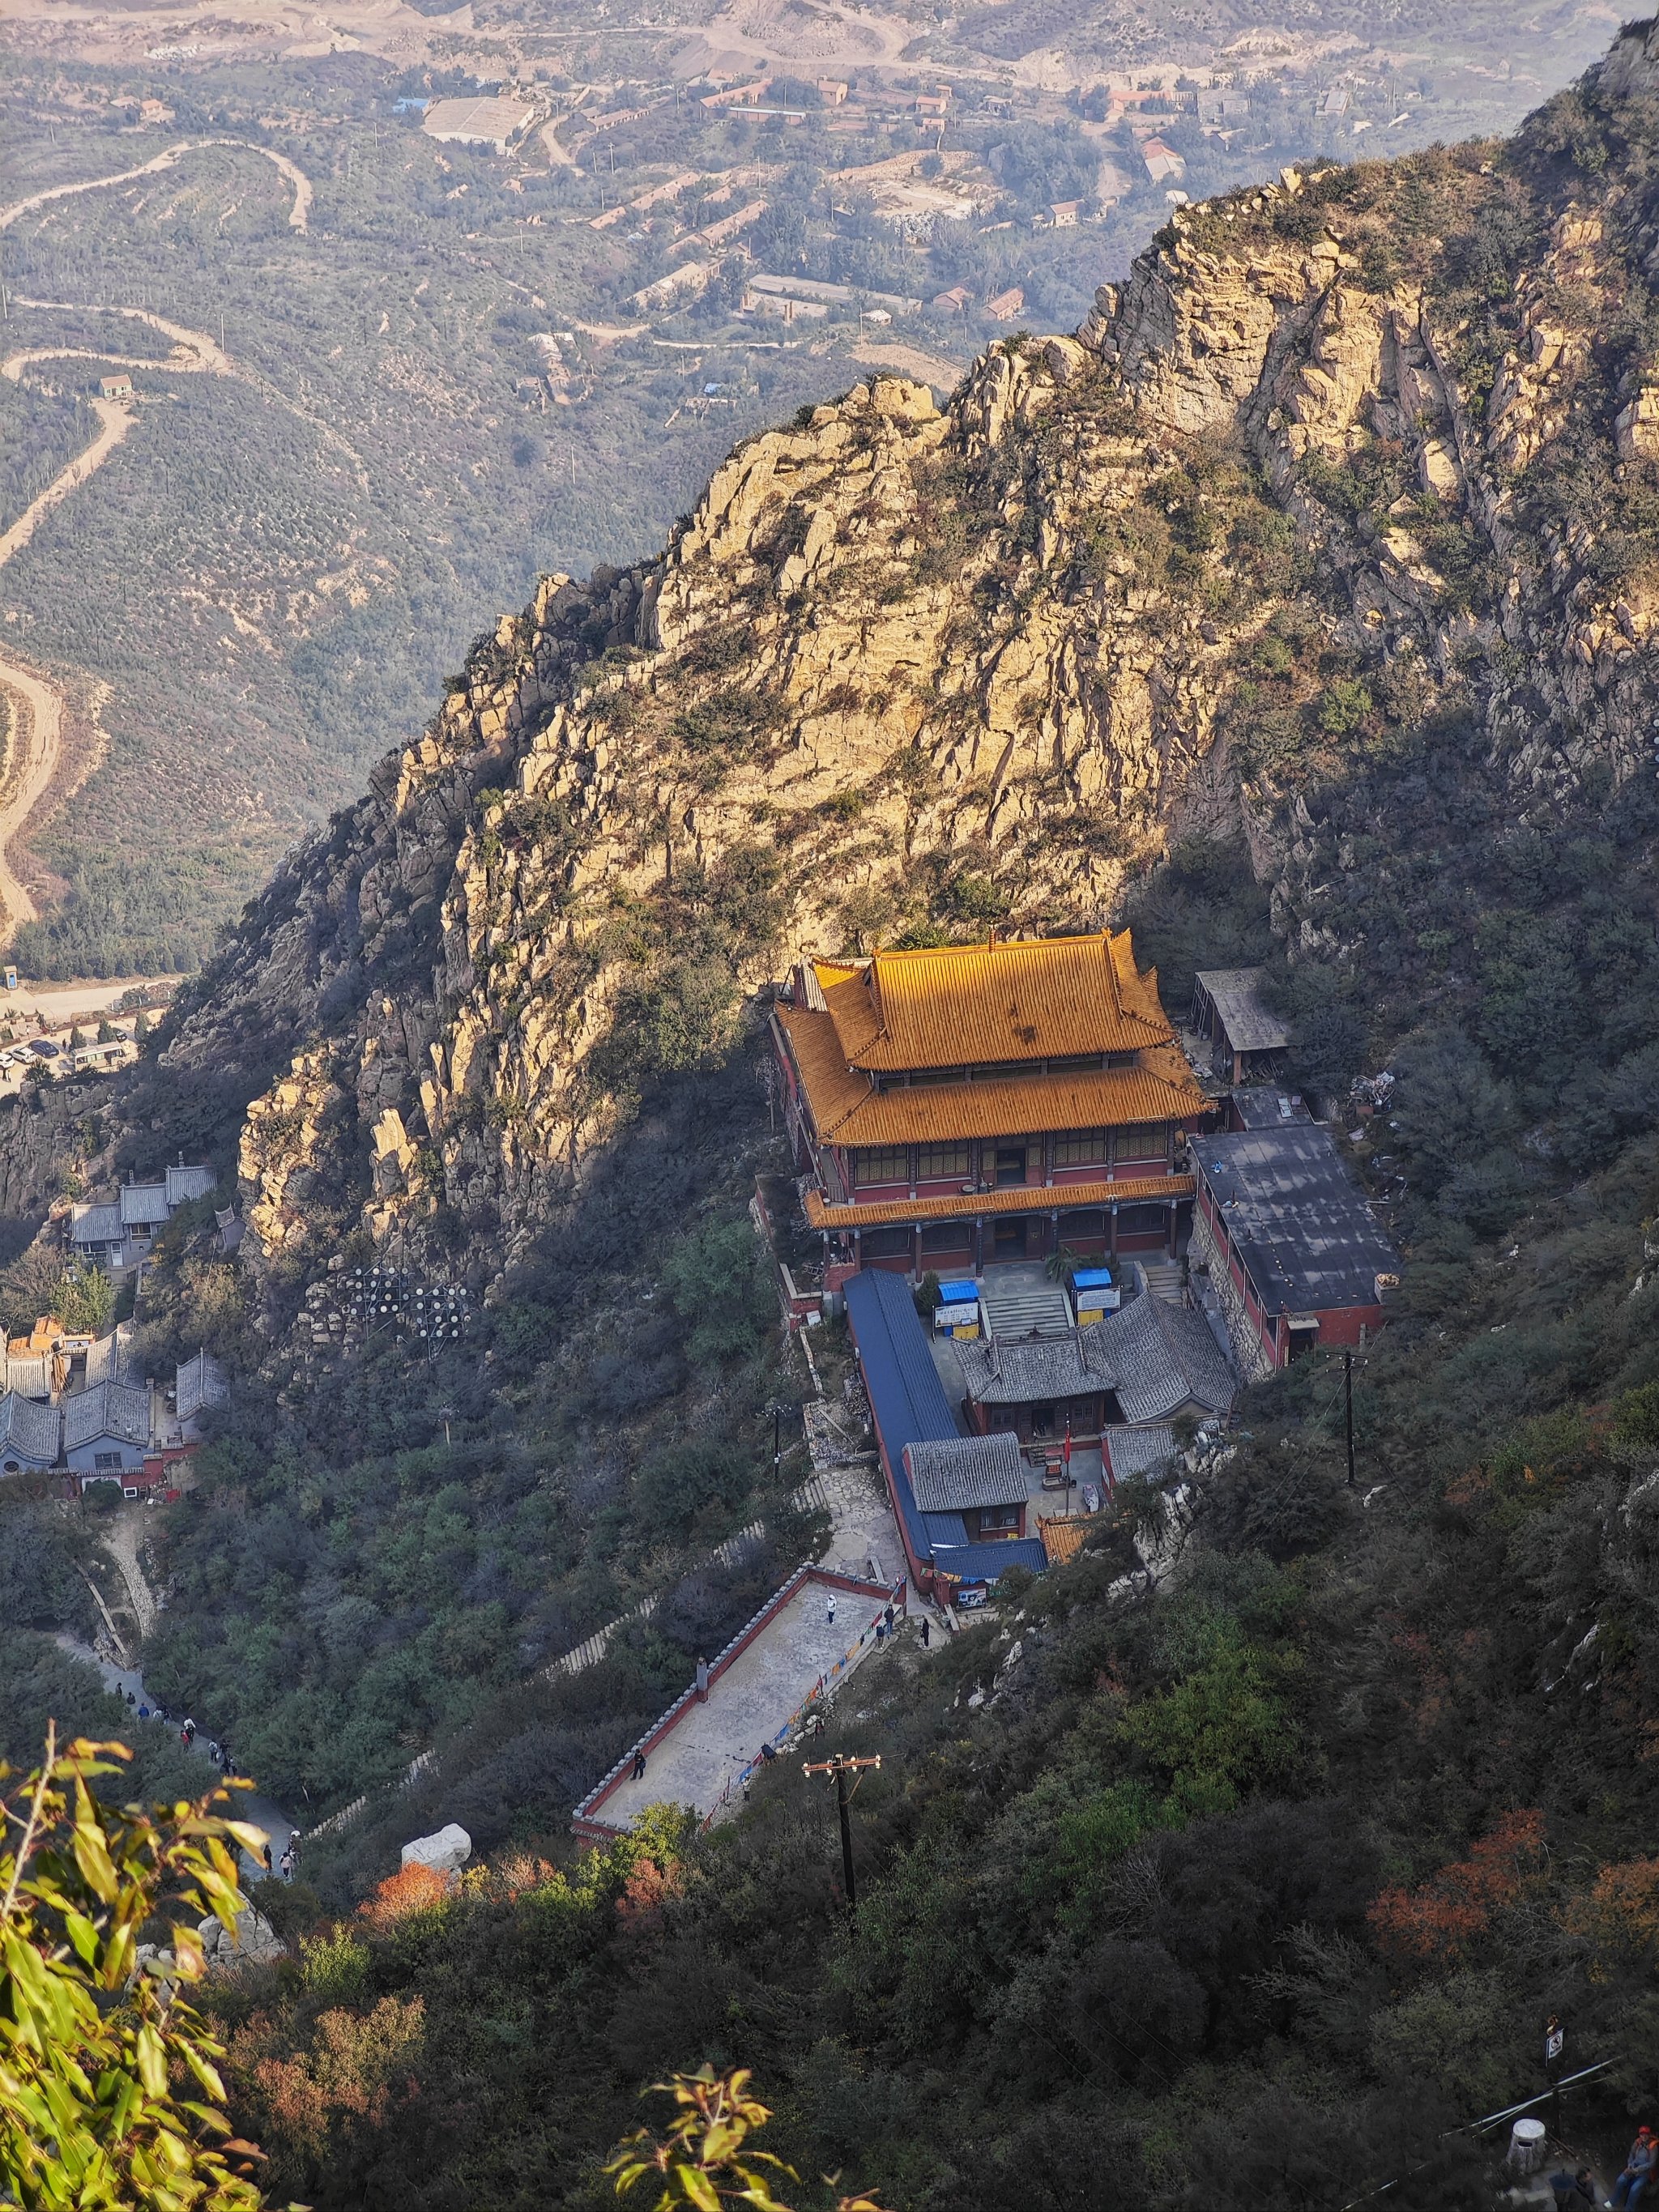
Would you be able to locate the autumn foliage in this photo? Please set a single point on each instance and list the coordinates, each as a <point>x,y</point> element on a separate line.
<point>1620,1915</point>
<point>357,2067</point>
<point>1439,1921</point>
<point>414,1888</point>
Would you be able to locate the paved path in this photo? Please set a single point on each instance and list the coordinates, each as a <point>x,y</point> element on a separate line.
<point>747,1704</point>
<point>250,1805</point>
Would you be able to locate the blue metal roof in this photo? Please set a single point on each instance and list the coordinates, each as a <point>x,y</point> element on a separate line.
<point>909,1405</point>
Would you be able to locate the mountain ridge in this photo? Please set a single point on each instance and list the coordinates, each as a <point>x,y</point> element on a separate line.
<point>1289,523</point>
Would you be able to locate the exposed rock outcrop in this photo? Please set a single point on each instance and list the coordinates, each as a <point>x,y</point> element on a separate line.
<point>1292,495</point>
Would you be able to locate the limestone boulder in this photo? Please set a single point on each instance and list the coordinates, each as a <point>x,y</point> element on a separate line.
<point>254,1942</point>
<point>446,1851</point>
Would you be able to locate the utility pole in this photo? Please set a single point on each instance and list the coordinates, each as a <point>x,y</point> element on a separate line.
<point>1347,1392</point>
<point>841,1766</point>
<point>777,1439</point>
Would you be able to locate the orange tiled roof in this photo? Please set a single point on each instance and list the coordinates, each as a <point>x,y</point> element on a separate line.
<point>847,1111</point>
<point>1027,999</point>
<point>1062,1539</point>
<point>1015,1198</point>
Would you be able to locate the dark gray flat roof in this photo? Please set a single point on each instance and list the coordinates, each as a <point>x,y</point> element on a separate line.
<point>1236,994</point>
<point>1302,1225</point>
<point>1260,1106</point>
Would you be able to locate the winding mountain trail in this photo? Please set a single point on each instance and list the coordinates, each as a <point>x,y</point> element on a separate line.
<point>299,215</point>
<point>34,749</point>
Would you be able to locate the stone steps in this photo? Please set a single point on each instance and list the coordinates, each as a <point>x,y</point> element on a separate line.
<point>1027,1306</point>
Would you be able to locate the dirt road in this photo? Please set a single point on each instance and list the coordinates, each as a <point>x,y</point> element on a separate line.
<point>113,422</point>
<point>32,760</point>
<point>299,215</point>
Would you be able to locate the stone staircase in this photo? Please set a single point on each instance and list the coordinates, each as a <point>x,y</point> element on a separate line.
<point>1162,1279</point>
<point>1022,1301</point>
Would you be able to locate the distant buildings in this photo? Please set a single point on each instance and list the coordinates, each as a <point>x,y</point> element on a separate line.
<point>116,386</point>
<point>489,122</point>
<point>767,288</point>
<point>738,95</point>
<point>89,1414</point>
<point>1006,305</point>
<point>686,283</point>
<point>119,1231</point>
<point>1164,164</point>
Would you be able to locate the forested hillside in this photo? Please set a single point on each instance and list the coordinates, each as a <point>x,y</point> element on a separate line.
<point>1299,608</point>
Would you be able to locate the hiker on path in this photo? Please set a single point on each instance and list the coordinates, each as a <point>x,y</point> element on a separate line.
<point>187,1734</point>
<point>829,1608</point>
<point>638,1773</point>
<point>265,1853</point>
<point>927,1631</point>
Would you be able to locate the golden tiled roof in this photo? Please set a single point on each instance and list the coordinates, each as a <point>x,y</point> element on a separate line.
<point>846,1110</point>
<point>1025,999</point>
<point>1013,1198</point>
<point>1063,1537</point>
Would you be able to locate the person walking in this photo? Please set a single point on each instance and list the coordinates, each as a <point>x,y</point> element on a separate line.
<point>287,1864</point>
<point>637,1773</point>
<point>265,1853</point>
<point>927,1631</point>
<point>887,1617</point>
<point>829,1608</point>
<point>187,1734</point>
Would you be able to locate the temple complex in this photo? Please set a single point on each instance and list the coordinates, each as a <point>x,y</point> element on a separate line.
<point>957,1107</point>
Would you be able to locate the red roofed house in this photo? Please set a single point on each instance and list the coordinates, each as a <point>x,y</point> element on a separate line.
<point>960,1105</point>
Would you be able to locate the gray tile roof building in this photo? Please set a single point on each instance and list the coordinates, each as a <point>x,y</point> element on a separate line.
<point>28,1430</point>
<point>108,1409</point>
<point>1166,1357</point>
<point>1149,1451</point>
<point>956,1474</point>
<point>199,1382</point>
<point>1075,1365</point>
<point>28,1373</point>
<point>143,1205</point>
<point>96,1225</point>
<point>110,1358</point>
<point>1153,1356</point>
<point>185,1184</point>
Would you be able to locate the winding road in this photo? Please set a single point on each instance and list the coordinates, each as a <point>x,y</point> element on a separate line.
<point>33,753</point>
<point>299,215</point>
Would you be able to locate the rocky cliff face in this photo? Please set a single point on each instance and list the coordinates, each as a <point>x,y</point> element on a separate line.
<point>1354,479</point>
